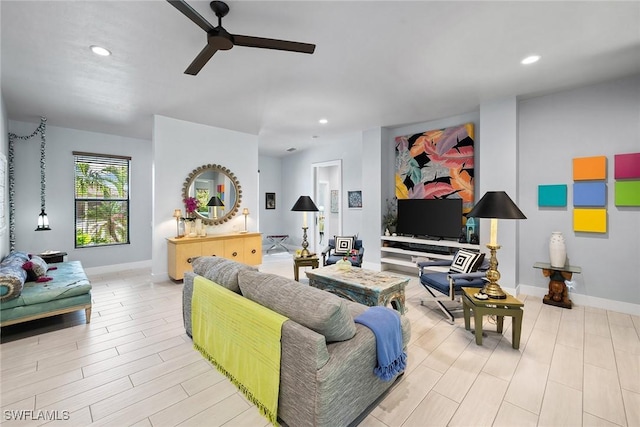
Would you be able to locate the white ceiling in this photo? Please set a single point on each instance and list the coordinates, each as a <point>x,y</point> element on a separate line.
<point>377,63</point>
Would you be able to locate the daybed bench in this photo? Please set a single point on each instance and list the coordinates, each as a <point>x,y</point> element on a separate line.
<point>63,288</point>
<point>326,367</point>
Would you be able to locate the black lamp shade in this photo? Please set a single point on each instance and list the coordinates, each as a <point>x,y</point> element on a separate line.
<point>496,204</point>
<point>215,201</point>
<point>305,204</point>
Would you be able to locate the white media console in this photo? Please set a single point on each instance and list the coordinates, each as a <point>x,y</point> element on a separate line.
<point>396,252</point>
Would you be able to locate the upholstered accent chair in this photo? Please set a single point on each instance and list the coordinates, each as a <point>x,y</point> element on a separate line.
<point>444,279</point>
<point>341,246</point>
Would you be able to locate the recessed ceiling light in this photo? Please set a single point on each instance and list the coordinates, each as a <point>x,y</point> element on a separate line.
<point>291,149</point>
<point>98,50</point>
<point>530,59</point>
<point>323,121</point>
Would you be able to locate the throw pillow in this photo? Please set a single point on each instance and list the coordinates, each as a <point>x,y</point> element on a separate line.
<point>344,244</point>
<point>36,267</point>
<point>318,310</point>
<point>12,275</point>
<point>220,270</point>
<point>466,261</point>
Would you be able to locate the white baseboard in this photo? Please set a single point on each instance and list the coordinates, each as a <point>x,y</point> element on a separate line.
<point>114,268</point>
<point>585,300</point>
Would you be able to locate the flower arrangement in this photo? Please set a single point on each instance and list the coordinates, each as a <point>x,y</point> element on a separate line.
<point>191,205</point>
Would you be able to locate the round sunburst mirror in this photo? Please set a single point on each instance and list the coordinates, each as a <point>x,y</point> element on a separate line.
<point>218,193</point>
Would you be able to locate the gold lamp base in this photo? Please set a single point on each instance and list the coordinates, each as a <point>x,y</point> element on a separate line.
<point>305,252</point>
<point>492,289</point>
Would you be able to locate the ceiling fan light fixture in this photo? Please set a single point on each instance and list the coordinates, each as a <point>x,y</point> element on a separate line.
<point>99,50</point>
<point>530,59</point>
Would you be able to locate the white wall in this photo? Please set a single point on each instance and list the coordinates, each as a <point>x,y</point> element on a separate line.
<point>270,182</point>
<point>179,147</point>
<point>497,158</point>
<point>297,174</point>
<point>60,143</point>
<point>4,146</point>
<point>597,120</point>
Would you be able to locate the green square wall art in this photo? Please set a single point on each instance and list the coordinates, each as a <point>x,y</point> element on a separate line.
<point>627,193</point>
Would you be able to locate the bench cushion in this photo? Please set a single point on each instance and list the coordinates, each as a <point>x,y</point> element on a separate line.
<point>69,280</point>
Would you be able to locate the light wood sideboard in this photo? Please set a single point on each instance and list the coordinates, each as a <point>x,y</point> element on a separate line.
<point>241,247</point>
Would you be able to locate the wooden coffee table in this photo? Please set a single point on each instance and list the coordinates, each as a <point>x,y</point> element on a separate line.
<point>367,287</point>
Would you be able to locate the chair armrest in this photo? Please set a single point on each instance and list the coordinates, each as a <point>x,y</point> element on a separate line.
<point>326,250</point>
<point>475,275</point>
<point>439,262</point>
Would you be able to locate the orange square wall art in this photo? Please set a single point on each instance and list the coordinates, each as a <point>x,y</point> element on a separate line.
<point>590,168</point>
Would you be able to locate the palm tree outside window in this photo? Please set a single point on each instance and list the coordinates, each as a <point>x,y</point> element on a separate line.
<point>101,199</point>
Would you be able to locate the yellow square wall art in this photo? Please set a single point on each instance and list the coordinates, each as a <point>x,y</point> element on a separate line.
<point>590,220</point>
<point>589,168</point>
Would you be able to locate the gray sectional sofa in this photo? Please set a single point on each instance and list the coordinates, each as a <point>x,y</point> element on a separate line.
<point>327,360</point>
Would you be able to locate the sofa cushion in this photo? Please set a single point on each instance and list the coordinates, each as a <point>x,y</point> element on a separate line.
<point>220,270</point>
<point>318,310</point>
<point>36,267</point>
<point>12,275</point>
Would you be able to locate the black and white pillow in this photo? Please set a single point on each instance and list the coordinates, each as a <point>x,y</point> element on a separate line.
<point>466,261</point>
<point>344,244</point>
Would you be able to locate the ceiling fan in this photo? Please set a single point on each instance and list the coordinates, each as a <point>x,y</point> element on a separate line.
<point>219,39</point>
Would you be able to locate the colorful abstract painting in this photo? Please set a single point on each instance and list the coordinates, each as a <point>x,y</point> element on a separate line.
<point>437,164</point>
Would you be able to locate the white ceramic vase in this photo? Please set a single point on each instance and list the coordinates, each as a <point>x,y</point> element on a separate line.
<point>557,250</point>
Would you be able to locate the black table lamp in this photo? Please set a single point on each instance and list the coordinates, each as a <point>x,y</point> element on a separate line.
<point>304,205</point>
<point>215,202</point>
<point>494,205</point>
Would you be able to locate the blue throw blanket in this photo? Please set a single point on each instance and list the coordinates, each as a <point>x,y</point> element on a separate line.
<point>385,324</point>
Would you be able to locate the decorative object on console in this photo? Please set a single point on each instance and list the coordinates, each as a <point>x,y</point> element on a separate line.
<point>304,204</point>
<point>215,202</point>
<point>177,214</point>
<point>494,205</point>
<point>557,250</point>
<point>245,212</point>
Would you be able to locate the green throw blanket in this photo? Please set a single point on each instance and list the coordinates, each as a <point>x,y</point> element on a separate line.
<point>242,340</point>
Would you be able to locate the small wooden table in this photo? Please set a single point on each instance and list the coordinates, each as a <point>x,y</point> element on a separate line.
<point>558,294</point>
<point>53,256</point>
<point>498,307</point>
<point>360,285</point>
<point>311,261</point>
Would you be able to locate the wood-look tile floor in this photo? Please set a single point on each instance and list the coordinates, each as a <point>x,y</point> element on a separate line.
<point>134,365</point>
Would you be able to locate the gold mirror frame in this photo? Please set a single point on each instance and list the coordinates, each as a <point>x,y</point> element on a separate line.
<point>231,211</point>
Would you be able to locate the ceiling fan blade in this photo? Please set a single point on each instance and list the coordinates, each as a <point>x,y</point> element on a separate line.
<point>203,57</point>
<point>263,43</point>
<point>191,13</point>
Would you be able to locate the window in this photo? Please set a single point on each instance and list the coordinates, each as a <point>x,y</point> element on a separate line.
<point>101,199</point>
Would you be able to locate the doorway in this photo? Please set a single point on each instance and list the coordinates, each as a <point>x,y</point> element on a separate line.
<point>327,188</point>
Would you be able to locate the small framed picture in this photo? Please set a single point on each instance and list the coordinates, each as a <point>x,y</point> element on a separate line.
<point>270,200</point>
<point>355,199</point>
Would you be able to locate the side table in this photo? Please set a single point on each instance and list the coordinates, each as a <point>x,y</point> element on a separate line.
<point>311,261</point>
<point>558,294</point>
<point>53,256</point>
<point>499,307</point>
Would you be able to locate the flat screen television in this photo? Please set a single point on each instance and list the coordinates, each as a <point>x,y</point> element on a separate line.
<point>432,218</point>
